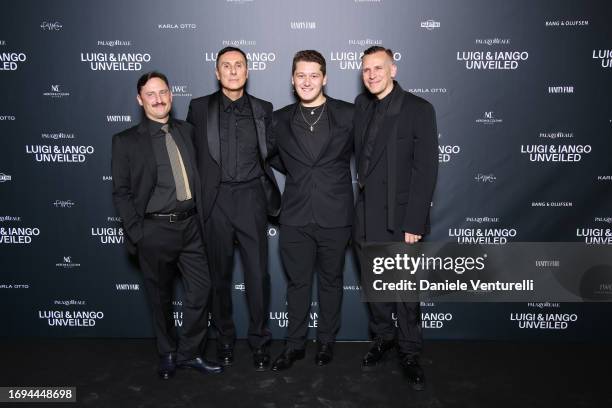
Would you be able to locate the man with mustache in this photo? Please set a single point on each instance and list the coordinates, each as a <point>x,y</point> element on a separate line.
<point>232,139</point>
<point>155,190</point>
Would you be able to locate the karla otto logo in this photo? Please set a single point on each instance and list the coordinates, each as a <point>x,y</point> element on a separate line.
<point>7,117</point>
<point>181,26</point>
<point>9,61</point>
<point>51,26</point>
<point>430,24</point>
<point>488,118</point>
<point>56,92</point>
<point>5,177</point>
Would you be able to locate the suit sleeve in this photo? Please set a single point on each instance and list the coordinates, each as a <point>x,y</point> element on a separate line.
<point>424,171</point>
<point>274,152</point>
<point>122,191</point>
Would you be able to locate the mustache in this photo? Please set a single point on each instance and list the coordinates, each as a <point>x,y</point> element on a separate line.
<point>159,104</point>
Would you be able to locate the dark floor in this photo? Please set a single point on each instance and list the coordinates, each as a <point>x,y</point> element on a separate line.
<point>122,373</point>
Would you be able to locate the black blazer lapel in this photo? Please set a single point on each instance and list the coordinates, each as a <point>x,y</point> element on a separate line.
<point>259,116</point>
<point>212,128</point>
<point>294,134</point>
<point>331,125</point>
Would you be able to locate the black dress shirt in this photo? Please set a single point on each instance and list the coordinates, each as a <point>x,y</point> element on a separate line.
<point>238,138</point>
<point>313,140</point>
<point>163,200</point>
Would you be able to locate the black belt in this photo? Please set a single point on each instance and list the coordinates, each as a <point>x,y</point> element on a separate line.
<point>172,217</point>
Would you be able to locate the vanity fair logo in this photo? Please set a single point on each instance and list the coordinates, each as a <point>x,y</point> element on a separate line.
<point>492,60</point>
<point>114,43</point>
<point>563,89</point>
<point>303,25</point>
<point>56,92</point>
<point>59,154</point>
<point>127,286</point>
<point>605,56</point>
<point>430,25</point>
<point>256,61</point>
<point>351,60</point>
<point>119,118</point>
<point>10,61</point>
<point>109,61</point>
<point>179,26</point>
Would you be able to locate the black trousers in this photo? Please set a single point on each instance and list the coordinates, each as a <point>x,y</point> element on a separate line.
<point>302,250</point>
<point>389,320</point>
<point>165,250</point>
<point>239,215</point>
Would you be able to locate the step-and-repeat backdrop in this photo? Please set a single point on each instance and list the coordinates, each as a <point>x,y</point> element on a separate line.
<point>521,91</point>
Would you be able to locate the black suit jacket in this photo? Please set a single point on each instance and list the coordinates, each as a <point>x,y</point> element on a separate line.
<point>322,186</point>
<point>404,164</point>
<point>204,115</point>
<point>134,171</point>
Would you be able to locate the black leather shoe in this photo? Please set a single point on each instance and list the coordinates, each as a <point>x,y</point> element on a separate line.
<point>377,352</point>
<point>167,366</point>
<point>261,359</point>
<point>201,365</point>
<point>286,359</point>
<point>325,353</point>
<point>413,372</point>
<point>225,354</point>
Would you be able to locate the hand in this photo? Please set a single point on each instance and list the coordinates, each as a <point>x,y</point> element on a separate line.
<point>411,238</point>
